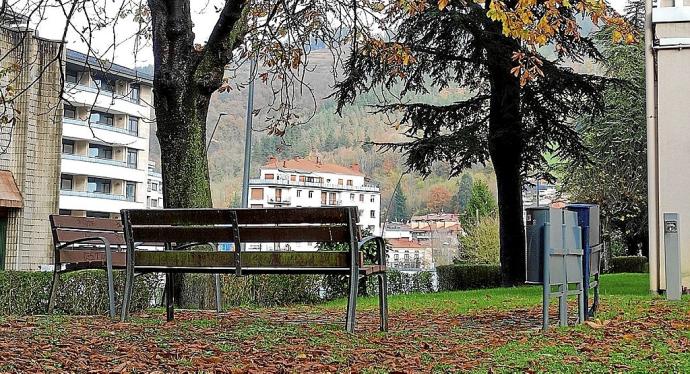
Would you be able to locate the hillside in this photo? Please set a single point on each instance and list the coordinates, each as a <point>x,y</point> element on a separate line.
<point>338,139</point>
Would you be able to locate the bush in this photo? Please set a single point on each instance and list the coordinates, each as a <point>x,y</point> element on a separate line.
<point>198,290</point>
<point>467,277</point>
<point>82,292</point>
<point>628,264</point>
<point>481,245</point>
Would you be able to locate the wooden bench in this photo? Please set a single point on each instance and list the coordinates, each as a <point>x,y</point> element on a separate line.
<point>86,243</point>
<point>178,228</point>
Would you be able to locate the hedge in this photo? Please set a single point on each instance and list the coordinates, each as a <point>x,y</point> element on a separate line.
<point>467,277</point>
<point>628,264</point>
<point>82,292</point>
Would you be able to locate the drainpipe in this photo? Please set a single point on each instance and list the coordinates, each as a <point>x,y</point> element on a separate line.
<point>652,153</point>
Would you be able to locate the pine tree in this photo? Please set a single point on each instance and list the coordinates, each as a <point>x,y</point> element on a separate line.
<point>506,119</point>
<point>480,204</point>
<point>399,208</point>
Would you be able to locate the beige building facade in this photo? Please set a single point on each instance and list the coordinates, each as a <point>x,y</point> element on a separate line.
<point>667,40</point>
<point>29,147</point>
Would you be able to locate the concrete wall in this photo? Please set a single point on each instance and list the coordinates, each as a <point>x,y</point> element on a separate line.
<point>33,149</point>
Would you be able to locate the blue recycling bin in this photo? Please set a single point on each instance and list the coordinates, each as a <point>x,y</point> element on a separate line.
<point>588,220</point>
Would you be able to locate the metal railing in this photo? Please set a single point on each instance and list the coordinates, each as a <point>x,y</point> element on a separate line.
<point>106,161</point>
<point>283,182</point>
<point>96,195</point>
<point>96,125</point>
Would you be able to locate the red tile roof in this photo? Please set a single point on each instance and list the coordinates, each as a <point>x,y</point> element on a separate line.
<point>306,165</point>
<point>406,243</point>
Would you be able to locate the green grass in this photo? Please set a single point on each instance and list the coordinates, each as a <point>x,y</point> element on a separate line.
<point>628,286</point>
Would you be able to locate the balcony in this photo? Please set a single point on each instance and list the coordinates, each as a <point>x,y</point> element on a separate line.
<point>96,195</point>
<point>102,202</point>
<point>107,100</point>
<point>279,201</point>
<point>97,125</point>
<point>328,186</point>
<point>98,160</point>
<point>332,203</point>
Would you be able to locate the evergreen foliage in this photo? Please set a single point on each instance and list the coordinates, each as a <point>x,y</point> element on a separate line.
<point>480,204</point>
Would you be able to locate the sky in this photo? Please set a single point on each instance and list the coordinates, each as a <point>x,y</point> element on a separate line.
<point>51,25</point>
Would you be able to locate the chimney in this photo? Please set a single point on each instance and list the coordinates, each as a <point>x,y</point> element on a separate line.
<point>356,168</point>
<point>284,163</point>
<point>318,160</point>
<point>272,159</point>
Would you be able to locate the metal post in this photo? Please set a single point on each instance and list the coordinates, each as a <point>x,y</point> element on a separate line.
<point>248,136</point>
<point>672,255</point>
<point>546,300</point>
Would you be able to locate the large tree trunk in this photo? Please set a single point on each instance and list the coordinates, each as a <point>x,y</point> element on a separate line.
<point>185,77</point>
<point>506,148</point>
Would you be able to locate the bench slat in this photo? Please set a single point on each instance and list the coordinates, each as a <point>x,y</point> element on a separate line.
<point>95,257</point>
<point>86,223</point>
<point>68,235</point>
<point>195,259</point>
<point>267,234</point>
<point>244,216</point>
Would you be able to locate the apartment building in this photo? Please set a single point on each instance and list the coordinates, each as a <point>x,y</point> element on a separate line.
<point>105,137</point>
<point>440,231</point>
<point>29,144</point>
<point>300,182</point>
<point>667,57</point>
<point>409,255</point>
<point>154,190</point>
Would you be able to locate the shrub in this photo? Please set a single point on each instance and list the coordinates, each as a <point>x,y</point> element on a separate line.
<point>481,245</point>
<point>82,292</point>
<point>198,290</point>
<point>466,277</point>
<point>628,264</point>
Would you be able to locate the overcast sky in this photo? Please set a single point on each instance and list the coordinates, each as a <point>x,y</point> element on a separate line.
<point>203,15</point>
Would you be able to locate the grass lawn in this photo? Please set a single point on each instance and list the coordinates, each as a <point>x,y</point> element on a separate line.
<point>494,330</point>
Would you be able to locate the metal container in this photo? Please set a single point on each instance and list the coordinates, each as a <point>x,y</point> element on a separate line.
<point>534,229</point>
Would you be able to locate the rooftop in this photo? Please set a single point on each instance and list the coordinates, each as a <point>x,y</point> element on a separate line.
<point>446,217</point>
<point>405,243</point>
<point>303,165</point>
<point>94,63</point>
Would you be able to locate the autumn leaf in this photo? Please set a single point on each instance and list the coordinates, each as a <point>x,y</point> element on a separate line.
<point>442,4</point>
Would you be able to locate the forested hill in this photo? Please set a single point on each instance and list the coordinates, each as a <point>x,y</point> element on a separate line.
<point>338,139</point>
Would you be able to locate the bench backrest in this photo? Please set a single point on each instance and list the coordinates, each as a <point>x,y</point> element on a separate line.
<point>264,225</point>
<point>66,229</point>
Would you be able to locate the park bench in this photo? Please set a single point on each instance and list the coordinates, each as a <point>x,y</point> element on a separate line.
<point>86,243</point>
<point>187,228</point>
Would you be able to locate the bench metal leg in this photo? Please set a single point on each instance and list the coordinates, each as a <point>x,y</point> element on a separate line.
<point>352,302</point>
<point>111,283</point>
<point>219,297</point>
<point>129,284</point>
<point>53,290</point>
<point>383,300</point>
<point>170,296</point>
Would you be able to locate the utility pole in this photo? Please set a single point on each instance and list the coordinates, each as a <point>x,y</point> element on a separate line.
<point>248,136</point>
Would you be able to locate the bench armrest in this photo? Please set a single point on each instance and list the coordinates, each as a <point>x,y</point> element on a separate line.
<point>378,258</point>
<point>89,239</point>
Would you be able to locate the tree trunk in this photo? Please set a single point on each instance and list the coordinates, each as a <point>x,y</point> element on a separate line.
<point>506,148</point>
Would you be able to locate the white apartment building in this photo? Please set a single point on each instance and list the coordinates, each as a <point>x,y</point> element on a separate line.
<point>299,182</point>
<point>154,190</point>
<point>105,138</point>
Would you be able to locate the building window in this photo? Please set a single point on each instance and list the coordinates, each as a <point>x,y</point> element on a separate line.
<point>352,197</point>
<point>324,197</point>
<point>68,146</point>
<point>91,214</point>
<point>340,182</point>
<point>361,197</point>
<point>103,83</point>
<point>133,126</point>
<point>100,151</point>
<point>257,194</point>
<point>132,155</point>
<point>311,194</point>
<point>299,193</point>
<point>154,186</point>
<point>268,176</point>
<point>372,198</point>
<point>154,203</point>
<point>71,76</point>
<point>396,257</point>
<point>302,178</point>
<point>70,112</point>
<point>101,118</point>
<point>293,178</point>
<point>131,191</point>
<point>99,185</point>
<point>349,182</point>
<point>134,92</point>
<point>66,182</point>
<point>332,199</point>
<point>372,213</point>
